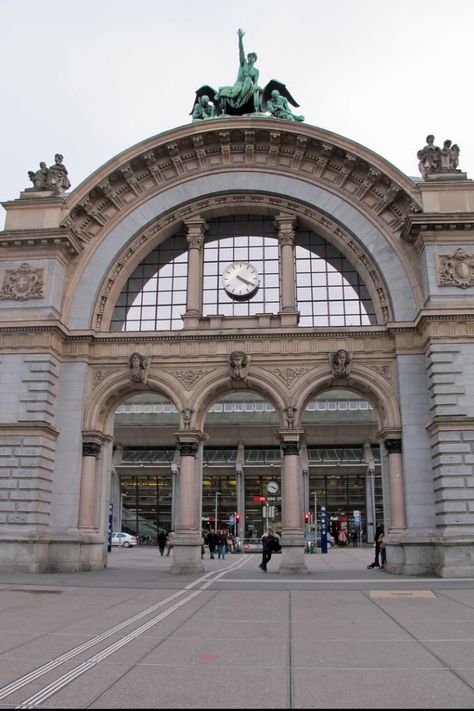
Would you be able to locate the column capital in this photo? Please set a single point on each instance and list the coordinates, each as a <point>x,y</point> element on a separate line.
<point>393,446</point>
<point>90,449</point>
<point>196,228</point>
<point>290,448</point>
<point>194,438</point>
<point>188,449</point>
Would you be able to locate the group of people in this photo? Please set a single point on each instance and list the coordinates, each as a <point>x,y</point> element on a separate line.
<point>165,542</point>
<point>221,542</point>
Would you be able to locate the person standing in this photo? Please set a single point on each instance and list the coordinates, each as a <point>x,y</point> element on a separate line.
<point>354,537</point>
<point>378,532</point>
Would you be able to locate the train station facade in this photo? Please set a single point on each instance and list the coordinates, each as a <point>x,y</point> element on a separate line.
<point>234,322</point>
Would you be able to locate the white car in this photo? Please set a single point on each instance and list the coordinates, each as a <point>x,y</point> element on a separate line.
<point>124,540</point>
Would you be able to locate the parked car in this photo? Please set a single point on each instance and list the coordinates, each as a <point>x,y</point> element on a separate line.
<point>124,540</point>
<point>309,541</point>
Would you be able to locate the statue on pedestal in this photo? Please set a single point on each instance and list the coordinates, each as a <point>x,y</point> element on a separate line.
<point>245,96</point>
<point>53,178</point>
<point>433,159</point>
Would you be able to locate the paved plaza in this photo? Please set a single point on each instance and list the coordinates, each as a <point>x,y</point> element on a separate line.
<point>133,635</point>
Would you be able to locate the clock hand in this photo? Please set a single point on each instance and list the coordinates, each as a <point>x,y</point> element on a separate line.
<point>244,280</point>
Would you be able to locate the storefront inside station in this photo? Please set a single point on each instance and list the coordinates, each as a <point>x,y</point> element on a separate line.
<point>241,486</point>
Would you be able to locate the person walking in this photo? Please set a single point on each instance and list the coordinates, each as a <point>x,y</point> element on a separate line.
<point>270,544</point>
<point>354,537</point>
<point>221,544</point>
<point>212,542</point>
<point>170,542</point>
<point>161,540</point>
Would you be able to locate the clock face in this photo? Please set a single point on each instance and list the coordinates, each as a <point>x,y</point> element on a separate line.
<point>241,280</point>
<point>272,487</point>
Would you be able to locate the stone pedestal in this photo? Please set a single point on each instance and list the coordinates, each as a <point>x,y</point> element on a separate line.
<point>292,554</point>
<point>186,554</point>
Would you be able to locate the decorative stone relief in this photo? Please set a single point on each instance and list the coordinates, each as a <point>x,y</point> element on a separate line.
<point>138,366</point>
<point>187,415</point>
<point>99,375</point>
<point>456,269</point>
<point>188,376</point>
<point>290,413</point>
<point>238,365</point>
<point>340,362</point>
<point>289,375</point>
<point>384,371</point>
<point>23,283</point>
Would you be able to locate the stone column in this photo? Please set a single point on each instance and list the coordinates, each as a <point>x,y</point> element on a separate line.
<point>187,547</point>
<point>292,554</point>
<point>195,230</point>
<point>286,238</point>
<point>397,487</point>
<point>88,493</point>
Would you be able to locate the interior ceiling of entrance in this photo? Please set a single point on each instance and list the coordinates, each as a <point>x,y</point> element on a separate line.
<point>333,418</point>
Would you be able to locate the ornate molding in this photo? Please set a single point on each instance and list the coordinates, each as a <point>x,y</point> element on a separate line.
<point>303,150</point>
<point>23,283</point>
<point>456,269</point>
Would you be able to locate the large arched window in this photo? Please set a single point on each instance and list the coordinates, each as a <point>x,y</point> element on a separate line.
<point>329,290</point>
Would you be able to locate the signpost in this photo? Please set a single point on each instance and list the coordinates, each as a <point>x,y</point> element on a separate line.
<point>324,530</point>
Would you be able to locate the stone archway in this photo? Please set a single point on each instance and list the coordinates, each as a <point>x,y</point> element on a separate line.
<point>57,341</point>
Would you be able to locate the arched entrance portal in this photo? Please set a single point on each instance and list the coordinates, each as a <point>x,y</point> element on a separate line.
<point>129,299</point>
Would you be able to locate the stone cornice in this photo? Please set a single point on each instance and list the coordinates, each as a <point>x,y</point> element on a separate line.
<point>309,153</point>
<point>449,423</point>
<point>28,429</point>
<point>38,242</point>
<point>457,324</point>
<point>438,226</point>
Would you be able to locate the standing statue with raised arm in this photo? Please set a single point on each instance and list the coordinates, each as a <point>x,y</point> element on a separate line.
<point>245,95</point>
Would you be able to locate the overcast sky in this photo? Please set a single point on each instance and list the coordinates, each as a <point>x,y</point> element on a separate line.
<point>91,78</point>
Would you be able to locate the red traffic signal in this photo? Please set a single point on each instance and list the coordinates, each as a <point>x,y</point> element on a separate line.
<point>307,517</point>
<point>237,517</point>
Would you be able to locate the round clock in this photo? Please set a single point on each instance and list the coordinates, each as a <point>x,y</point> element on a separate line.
<point>272,487</point>
<point>241,280</point>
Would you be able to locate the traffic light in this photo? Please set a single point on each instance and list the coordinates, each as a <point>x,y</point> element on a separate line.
<point>307,517</point>
<point>237,517</point>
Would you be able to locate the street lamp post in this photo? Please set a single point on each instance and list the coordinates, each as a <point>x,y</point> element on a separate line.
<point>218,493</point>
